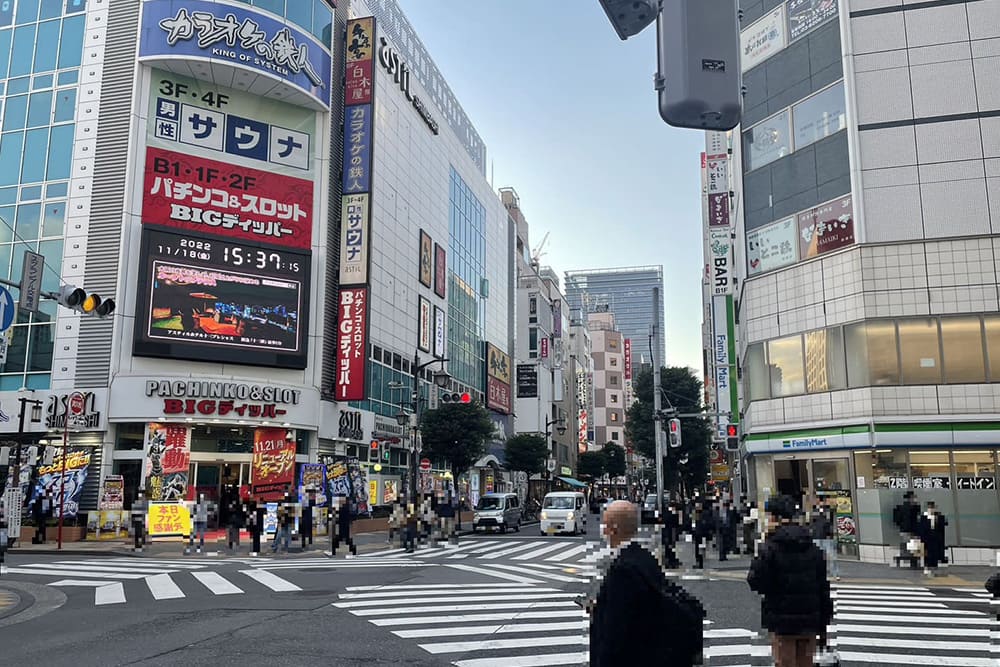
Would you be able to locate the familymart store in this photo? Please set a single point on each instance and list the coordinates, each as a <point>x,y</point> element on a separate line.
<point>867,469</point>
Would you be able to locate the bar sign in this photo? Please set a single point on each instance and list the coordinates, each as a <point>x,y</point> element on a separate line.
<point>31,281</point>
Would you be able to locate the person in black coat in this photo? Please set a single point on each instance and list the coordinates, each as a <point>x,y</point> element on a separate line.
<point>906,517</point>
<point>930,529</point>
<point>725,526</point>
<point>342,508</point>
<point>790,574</point>
<point>637,616</point>
<point>306,524</point>
<point>702,528</point>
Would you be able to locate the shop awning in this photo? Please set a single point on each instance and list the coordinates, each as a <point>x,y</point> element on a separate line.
<point>573,482</point>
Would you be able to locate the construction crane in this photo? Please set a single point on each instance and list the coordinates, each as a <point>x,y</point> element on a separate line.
<point>537,254</point>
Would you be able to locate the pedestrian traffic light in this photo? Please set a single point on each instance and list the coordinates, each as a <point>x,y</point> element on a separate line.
<point>385,451</point>
<point>78,300</point>
<point>732,437</point>
<point>675,432</point>
<point>700,79</point>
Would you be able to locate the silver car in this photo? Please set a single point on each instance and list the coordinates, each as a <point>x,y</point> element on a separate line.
<point>497,510</point>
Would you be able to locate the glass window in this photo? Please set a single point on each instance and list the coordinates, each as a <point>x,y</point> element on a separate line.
<point>71,44</point>
<point>5,251</point>
<point>831,475</point>
<point>15,112</point>
<point>768,141</point>
<point>6,224</point>
<point>920,357</point>
<point>75,5</point>
<point>28,216</point>
<point>27,10</point>
<point>35,146</point>
<point>11,144</point>
<point>4,52</point>
<point>614,416</point>
<point>300,13</point>
<point>40,109</point>
<point>962,340</point>
<point>40,352</point>
<point>276,6</point>
<point>52,250</point>
<point>52,219</point>
<point>532,338</point>
<point>614,435</point>
<point>31,193</point>
<point>887,465</point>
<point>929,464</point>
<point>24,49</point>
<point>974,463</point>
<point>53,190</point>
<point>18,86</point>
<point>45,53</point>
<point>41,82</point>
<point>614,398</point>
<point>60,152</point>
<point>871,353</point>
<point>51,9</point>
<point>70,76</point>
<point>38,380</point>
<point>322,22</point>
<point>786,366</point>
<point>17,350</point>
<point>755,373</point>
<point>819,116</point>
<point>8,195</point>
<point>825,366</point>
<point>990,322</point>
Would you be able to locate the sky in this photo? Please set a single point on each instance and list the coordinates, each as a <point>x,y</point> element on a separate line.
<point>569,117</point>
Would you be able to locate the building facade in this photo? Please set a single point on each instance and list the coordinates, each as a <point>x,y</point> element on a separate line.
<point>241,178</point>
<point>861,272</point>
<point>627,293</point>
<point>608,349</point>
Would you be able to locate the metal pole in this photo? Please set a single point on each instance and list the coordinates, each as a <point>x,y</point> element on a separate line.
<point>416,418</point>
<point>62,478</point>
<point>657,425</point>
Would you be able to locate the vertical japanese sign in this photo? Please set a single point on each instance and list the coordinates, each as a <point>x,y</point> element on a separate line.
<point>356,223</point>
<point>724,361</point>
<point>352,344</point>
<point>168,456</point>
<point>498,371</point>
<point>715,179</point>
<point>543,346</point>
<point>440,270</point>
<point>424,324</point>
<point>557,318</point>
<point>440,333</point>
<point>628,358</point>
<point>273,468</point>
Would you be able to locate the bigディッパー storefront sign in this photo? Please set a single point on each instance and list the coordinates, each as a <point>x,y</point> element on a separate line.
<point>352,344</point>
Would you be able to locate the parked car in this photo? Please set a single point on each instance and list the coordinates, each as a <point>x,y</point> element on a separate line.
<point>564,511</point>
<point>497,510</point>
<point>649,508</point>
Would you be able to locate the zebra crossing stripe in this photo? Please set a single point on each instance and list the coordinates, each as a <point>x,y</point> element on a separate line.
<point>524,597</point>
<point>104,593</point>
<point>507,552</point>
<point>910,659</point>
<point>538,552</point>
<point>569,553</point>
<point>891,630</point>
<point>434,609</point>
<point>492,629</point>
<point>216,583</point>
<point>472,618</point>
<point>876,619</point>
<point>478,549</point>
<point>410,587</point>
<point>77,572</point>
<point>544,575</point>
<point>271,580</point>
<point>497,644</point>
<point>471,589</point>
<point>144,571</point>
<point>163,587</point>
<point>489,572</point>
<point>546,660</point>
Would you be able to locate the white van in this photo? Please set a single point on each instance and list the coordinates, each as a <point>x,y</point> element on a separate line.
<point>564,511</point>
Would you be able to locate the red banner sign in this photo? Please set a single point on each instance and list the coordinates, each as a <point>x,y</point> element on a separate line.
<point>358,84</point>
<point>498,395</point>
<point>360,58</point>
<point>194,194</point>
<point>544,347</point>
<point>628,358</point>
<point>273,468</point>
<point>352,344</point>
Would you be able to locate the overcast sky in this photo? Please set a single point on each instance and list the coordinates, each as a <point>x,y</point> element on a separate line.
<point>568,114</point>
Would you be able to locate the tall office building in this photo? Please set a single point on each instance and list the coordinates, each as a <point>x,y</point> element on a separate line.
<point>865,222</point>
<point>627,293</point>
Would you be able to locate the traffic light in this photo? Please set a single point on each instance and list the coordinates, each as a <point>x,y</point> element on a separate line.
<point>76,299</point>
<point>630,17</point>
<point>385,451</point>
<point>373,450</point>
<point>456,397</point>
<point>700,80</point>
<point>732,438</point>
<point>674,426</point>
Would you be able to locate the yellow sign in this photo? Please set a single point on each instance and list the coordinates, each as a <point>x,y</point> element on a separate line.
<point>844,505</point>
<point>372,493</point>
<point>498,364</point>
<point>720,472</point>
<point>165,519</point>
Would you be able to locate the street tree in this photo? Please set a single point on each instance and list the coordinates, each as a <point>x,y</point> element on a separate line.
<point>456,433</point>
<point>685,467</point>
<point>590,467</point>
<point>526,452</point>
<point>614,456</point>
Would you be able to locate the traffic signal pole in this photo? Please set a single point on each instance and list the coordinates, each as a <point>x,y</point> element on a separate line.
<point>657,417</point>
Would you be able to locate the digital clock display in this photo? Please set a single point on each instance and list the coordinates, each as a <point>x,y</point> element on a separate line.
<point>208,299</point>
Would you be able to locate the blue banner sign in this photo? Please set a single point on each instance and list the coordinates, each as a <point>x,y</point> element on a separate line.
<point>358,149</point>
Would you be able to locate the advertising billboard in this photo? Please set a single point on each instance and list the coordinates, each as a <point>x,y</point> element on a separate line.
<point>763,39</point>
<point>628,358</point>
<point>826,228</point>
<point>213,300</point>
<point>238,35</point>
<point>167,457</point>
<point>273,468</point>
<point>355,237</point>
<point>358,149</point>
<point>426,259</point>
<point>352,344</point>
<point>440,270</point>
<point>440,333</point>
<point>498,371</point>
<point>424,325</point>
<point>772,246</point>
<point>721,268</point>
<point>358,82</point>
<point>804,15</point>
<point>527,381</point>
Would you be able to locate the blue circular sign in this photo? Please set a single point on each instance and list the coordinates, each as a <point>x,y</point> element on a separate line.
<point>7,309</point>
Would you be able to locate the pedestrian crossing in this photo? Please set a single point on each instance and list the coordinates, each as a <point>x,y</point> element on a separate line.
<point>509,624</point>
<point>164,579</point>
<point>543,550</point>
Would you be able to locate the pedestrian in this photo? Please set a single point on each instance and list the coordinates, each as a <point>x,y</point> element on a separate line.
<point>446,515</point>
<point>41,513</point>
<point>670,534</point>
<point>4,541</point>
<point>234,524</point>
<point>255,523</point>
<point>725,526</point>
<point>345,511</point>
<point>993,588</point>
<point>138,515</point>
<point>199,525</point>
<point>395,521</point>
<point>701,532</point>
<point>906,516</point>
<point>283,534</point>
<point>306,525</point>
<point>790,573</point>
<point>637,616</point>
<point>821,524</point>
<point>410,531</point>
<point>930,529</point>
<point>749,528</point>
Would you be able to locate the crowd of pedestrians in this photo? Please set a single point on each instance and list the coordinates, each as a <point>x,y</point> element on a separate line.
<point>921,534</point>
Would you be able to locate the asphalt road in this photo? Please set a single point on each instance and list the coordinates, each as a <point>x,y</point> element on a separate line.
<point>491,601</point>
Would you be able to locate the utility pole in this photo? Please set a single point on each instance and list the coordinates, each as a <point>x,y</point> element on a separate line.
<point>657,417</point>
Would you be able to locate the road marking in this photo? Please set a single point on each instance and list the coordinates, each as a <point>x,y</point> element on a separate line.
<point>163,587</point>
<point>927,620</point>
<point>104,593</point>
<point>499,544</point>
<point>899,630</point>
<point>469,598</point>
<point>563,555</point>
<point>507,552</point>
<point>880,642</point>
<point>137,563</point>
<point>894,600</point>
<point>545,575</point>
<point>492,629</point>
<point>910,659</point>
<point>545,660</point>
<point>491,573</point>
<point>216,583</point>
<point>99,568</point>
<point>495,644</point>
<point>271,580</point>
<point>409,587</point>
<point>737,649</point>
<point>469,590</point>
<point>936,609</point>
<point>729,633</point>
<point>475,618</point>
<point>77,573</point>
<point>922,589</point>
<point>538,552</point>
<point>435,609</point>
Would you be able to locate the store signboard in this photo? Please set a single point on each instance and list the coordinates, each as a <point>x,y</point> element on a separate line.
<point>424,325</point>
<point>804,15</point>
<point>527,381</point>
<point>68,479</point>
<point>236,35</point>
<point>826,228</point>
<point>358,149</point>
<point>440,333</point>
<point>763,39</point>
<point>355,239</point>
<point>772,246</point>
<point>497,395</point>
<point>440,270</point>
<point>166,456</point>
<point>628,358</point>
<point>721,252</point>
<point>273,466</point>
<point>352,344</point>
<point>358,83</point>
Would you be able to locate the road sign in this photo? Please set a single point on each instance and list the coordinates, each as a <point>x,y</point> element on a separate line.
<point>31,282</point>
<point>551,465</point>
<point>715,455</point>
<point>12,502</point>
<point>425,464</point>
<point>77,404</point>
<point>720,473</point>
<point>7,309</point>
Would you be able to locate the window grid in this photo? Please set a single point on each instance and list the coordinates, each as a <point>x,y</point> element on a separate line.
<point>466,266</point>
